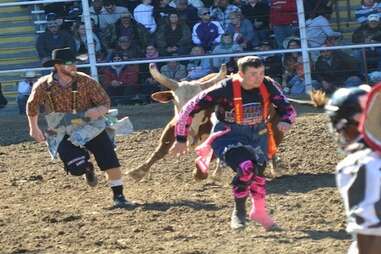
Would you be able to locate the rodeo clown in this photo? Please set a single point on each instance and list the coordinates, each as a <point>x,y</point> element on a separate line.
<point>75,105</point>
<point>242,105</point>
<point>358,176</point>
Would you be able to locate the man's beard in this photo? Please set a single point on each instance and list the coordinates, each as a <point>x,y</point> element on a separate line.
<point>70,73</point>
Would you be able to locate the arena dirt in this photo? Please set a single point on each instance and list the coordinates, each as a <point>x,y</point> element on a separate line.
<point>42,210</point>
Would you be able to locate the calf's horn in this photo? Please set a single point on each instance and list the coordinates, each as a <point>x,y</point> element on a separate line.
<point>162,79</point>
<point>220,76</point>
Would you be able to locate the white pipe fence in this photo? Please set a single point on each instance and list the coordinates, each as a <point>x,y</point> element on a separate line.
<point>10,4</point>
<point>188,58</point>
<point>304,45</point>
<point>90,40</point>
<point>93,64</point>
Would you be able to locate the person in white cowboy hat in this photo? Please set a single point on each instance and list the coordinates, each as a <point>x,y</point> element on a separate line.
<point>24,87</point>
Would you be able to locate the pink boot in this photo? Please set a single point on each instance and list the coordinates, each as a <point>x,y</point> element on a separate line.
<point>240,193</point>
<point>258,212</point>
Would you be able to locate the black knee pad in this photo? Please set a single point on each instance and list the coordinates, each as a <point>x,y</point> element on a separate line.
<point>240,185</point>
<point>78,166</point>
<point>235,156</point>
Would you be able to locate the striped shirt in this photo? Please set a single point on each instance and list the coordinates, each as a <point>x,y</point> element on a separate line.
<point>90,94</point>
<point>363,12</point>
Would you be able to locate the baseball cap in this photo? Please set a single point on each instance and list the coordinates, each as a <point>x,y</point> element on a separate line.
<point>373,17</point>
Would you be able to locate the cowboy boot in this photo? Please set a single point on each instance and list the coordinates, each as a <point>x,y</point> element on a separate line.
<point>258,211</point>
<point>238,218</point>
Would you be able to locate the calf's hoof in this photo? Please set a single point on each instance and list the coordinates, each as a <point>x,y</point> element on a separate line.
<point>276,167</point>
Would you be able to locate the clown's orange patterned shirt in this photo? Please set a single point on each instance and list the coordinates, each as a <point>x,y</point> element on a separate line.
<point>90,94</point>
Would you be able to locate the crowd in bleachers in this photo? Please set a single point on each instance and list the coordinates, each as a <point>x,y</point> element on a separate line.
<point>149,29</point>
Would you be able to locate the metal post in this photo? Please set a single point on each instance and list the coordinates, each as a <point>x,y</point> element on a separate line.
<point>337,12</point>
<point>90,39</point>
<point>304,45</point>
<point>365,64</point>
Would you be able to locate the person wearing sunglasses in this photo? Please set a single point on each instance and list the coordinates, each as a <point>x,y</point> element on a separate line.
<point>75,106</point>
<point>206,33</point>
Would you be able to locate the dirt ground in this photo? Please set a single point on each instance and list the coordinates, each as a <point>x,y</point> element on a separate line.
<point>43,210</point>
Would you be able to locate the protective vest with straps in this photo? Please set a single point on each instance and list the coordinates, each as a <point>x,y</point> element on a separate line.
<point>238,108</point>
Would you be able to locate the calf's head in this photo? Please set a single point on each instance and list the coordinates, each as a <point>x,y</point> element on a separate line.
<point>181,92</point>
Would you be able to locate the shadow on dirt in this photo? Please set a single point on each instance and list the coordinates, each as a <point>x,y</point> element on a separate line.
<point>309,234</point>
<point>195,205</point>
<point>321,234</point>
<point>165,206</point>
<point>301,183</point>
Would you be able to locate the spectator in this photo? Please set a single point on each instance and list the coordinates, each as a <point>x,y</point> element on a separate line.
<point>162,11</point>
<point>129,4</point>
<point>206,33</point>
<point>272,62</point>
<point>134,31</point>
<point>120,80</point>
<point>194,3</point>
<point>53,39</point>
<point>174,70</point>
<point>311,6</point>
<point>110,14</point>
<point>127,47</point>
<point>143,14</point>
<point>24,88</point>
<point>3,100</point>
<point>290,62</point>
<point>187,13</point>
<point>227,46</point>
<point>292,43</point>
<point>238,3</point>
<point>150,52</point>
<point>149,84</point>
<point>81,40</point>
<point>242,31</point>
<point>258,13</point>
<point>297,85</point>
<point>336,69</point>
<point>283,18</point>
<point>221,10</point>
<point>369,32</point>
<point>59,9</point>
<point>198,68</point>
<point>319,30</point>
<point>174,37</point>
<point>95,12</point>
<point>73,18</point>
<point>367,8</point>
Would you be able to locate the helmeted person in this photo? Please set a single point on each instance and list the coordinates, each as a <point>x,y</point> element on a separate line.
<point>75,105</point>
<point>241,133</point>
<point>358,176</point>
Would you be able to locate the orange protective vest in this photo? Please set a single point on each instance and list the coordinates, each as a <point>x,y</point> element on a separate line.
<point>238,108</point>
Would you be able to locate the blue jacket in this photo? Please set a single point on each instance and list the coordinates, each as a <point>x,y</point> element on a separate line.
<point>207,34</point>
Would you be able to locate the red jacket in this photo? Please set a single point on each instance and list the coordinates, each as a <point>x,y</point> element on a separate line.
<point>283,12</point>
<point>128,75</point>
